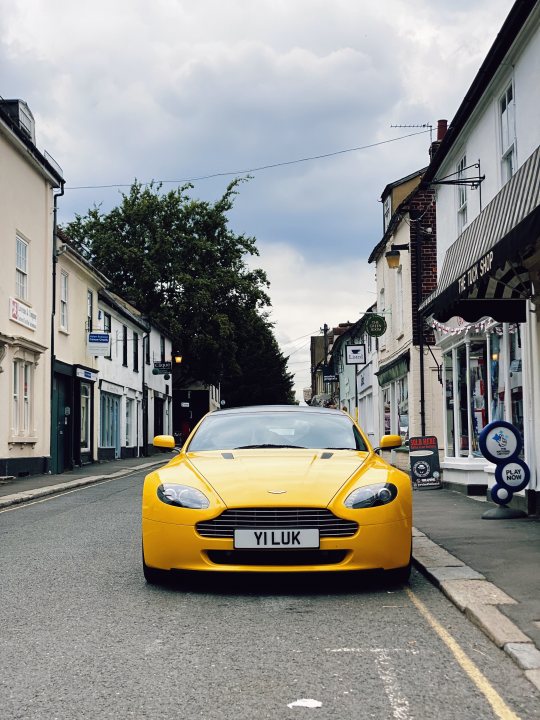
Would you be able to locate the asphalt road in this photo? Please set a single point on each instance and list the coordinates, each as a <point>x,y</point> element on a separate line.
<point>83,636</point>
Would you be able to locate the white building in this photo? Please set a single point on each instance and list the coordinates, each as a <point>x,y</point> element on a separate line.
<point>158,386</point>
<point>485,311</point>
<point>29,182</point>
<point>120,432</point>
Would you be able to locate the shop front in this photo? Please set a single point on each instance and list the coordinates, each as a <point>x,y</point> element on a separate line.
<point>72,416</point>
<point>484,314</point>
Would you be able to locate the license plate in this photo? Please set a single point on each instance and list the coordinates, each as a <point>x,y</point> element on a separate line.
<point>277,539</point>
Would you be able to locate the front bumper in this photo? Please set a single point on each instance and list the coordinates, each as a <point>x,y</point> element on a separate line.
<point>179,547</point>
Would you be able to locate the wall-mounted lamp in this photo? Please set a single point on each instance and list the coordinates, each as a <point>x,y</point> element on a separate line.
<point>392,256</point>
<point>177,359</point>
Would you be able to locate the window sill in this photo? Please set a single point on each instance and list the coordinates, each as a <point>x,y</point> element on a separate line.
<point>63,331</point>
<point>22,440</point>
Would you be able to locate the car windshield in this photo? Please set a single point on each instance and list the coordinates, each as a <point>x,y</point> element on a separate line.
<point>277,429</point>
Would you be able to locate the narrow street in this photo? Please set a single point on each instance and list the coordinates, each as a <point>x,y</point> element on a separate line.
<point>83,636</point>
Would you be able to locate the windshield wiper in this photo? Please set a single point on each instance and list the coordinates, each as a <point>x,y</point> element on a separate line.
<point>267,445</point>
<point>340,448</point>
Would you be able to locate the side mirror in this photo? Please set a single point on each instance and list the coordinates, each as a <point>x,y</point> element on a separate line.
<point>164,441</point>
<point>389,442</point>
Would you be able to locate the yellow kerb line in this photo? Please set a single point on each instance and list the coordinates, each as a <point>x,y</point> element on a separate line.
<point>500,708</point>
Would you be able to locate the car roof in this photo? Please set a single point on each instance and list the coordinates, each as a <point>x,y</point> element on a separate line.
<point>277,408</point>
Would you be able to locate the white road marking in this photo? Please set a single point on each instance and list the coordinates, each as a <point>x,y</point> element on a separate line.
<point>387,673</point>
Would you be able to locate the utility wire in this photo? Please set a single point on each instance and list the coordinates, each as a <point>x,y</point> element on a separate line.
<point>251,170</point>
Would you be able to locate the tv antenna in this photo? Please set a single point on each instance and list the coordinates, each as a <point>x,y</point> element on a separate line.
<point>423,125</point>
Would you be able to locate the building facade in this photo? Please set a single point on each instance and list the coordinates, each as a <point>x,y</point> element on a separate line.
<point>29,184</point>
<point>74,421</point>
<point>408,367</point>
<point>485,308</point>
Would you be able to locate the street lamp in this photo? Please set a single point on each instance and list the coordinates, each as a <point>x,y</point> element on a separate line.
<point>392,256</point>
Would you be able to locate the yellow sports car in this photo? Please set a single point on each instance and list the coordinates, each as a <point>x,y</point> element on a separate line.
<point>277,489</point>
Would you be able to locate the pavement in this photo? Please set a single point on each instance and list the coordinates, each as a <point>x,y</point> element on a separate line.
<point>489,569</point>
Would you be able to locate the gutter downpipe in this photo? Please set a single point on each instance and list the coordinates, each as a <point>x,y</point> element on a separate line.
<point>53,309</point>
<point>420,320</point>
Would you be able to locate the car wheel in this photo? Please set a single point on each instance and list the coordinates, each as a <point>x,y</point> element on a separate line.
<point>399,576</point>
<point>153,576</point>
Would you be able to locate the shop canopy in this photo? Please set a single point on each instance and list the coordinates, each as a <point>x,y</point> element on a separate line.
<point>484,273</point>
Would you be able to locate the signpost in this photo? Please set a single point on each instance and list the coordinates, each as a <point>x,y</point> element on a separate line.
<point>500,443</point>
<point>424,459</point>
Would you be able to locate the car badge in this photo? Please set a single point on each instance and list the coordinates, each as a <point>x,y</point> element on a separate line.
<point>277,492</point>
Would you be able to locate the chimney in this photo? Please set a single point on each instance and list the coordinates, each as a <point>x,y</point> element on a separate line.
<point>442,126</point>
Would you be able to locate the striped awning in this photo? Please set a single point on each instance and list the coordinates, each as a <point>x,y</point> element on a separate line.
<point>483,272</point>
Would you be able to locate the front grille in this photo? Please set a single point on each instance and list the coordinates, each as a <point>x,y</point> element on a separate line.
<point>322,519</point>
<point>269,558</point>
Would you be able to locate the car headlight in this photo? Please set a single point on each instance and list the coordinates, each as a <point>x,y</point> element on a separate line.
<point>182,496</point>
<point>371,496</point>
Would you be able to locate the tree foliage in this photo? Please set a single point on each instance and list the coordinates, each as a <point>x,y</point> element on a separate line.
<point>176,259</point>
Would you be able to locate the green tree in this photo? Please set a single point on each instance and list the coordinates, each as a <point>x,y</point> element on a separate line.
<point>176,259</point>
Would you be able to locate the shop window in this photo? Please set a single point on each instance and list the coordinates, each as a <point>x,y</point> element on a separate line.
<point>449,404</point>
<point>497,378</point>
<point>402,397</point>
<point>516,379</point>
<point>463,412</point>
<point>85,416</point>
<point>129,422</point>
<point>387,410</point>
<point>479,400</point>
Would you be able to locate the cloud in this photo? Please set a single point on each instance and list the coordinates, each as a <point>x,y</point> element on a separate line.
<point>306,294</point>
<point>176,89</point>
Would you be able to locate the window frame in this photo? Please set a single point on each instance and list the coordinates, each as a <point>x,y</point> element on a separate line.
<point>89,310</point>
<point>135,351</point>
<point>507,126</point>
<point>124,346</point>
<point>64,300</point>
<point>461,195</point>
<point>21,271</point>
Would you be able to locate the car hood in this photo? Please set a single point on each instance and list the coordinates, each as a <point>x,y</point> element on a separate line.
<point>277,477</point>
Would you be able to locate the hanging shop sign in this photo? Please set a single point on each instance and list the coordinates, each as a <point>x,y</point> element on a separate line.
<point>98,344</point>
<point>162,368</point>
<point>329,376</point>
<point>355,354</point>
<point>424,460</point>
<point>375,325</point>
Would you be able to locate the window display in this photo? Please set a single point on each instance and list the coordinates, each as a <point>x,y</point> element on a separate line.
<point>486,369</point>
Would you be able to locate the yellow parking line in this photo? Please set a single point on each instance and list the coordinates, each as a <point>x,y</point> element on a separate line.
<point>500,708</point>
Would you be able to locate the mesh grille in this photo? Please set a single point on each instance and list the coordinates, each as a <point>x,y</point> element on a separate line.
<point>269,518</point>
<point>277,557</point>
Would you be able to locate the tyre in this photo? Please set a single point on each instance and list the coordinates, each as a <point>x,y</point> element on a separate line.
<point>153,576</point>
<point>399,576</point>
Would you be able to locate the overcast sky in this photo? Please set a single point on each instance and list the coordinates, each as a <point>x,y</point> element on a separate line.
<point>178,89</point>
